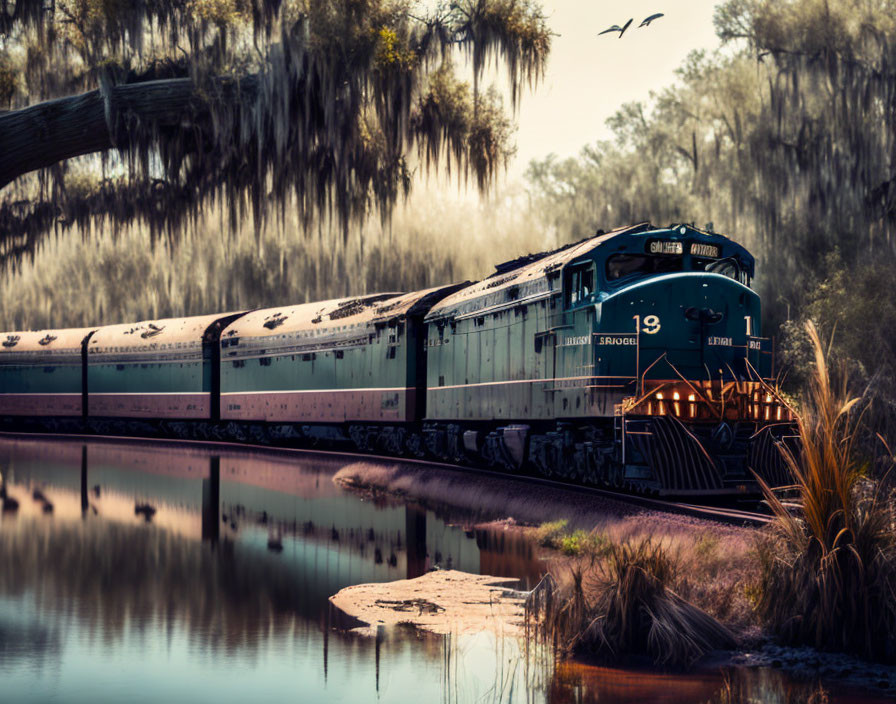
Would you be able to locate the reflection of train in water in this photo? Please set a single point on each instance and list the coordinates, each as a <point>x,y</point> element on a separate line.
<point>257,503</point>
<point>631,359</point>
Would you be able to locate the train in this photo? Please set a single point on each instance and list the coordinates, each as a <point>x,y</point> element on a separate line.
<point>632,360</point>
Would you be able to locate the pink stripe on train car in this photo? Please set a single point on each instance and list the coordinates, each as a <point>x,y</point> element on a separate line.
<point>321,406</point>
<point>40,404</point>
<point>170,405</point>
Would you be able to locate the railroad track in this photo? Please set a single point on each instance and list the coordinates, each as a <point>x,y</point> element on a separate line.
<point>721,514</point>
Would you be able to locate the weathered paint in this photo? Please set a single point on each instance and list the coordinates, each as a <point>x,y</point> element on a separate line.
<point>152,369</point>
<point>150,405</point>
<point>40,372</point>
<point>41,405</point>
<point>329,405</point>
<point>336,361</point>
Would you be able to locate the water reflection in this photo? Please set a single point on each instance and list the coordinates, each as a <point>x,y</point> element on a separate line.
<point>169,562</point>
<point>181,572</point>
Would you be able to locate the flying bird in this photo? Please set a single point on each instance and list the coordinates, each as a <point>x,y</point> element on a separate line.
<point>647,21</point>
<point>617,28</point>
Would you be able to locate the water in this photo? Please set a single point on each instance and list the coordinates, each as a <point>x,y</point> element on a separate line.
<point>217,589</point>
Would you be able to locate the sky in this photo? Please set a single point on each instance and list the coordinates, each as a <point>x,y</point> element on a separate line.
<point>589,77</point>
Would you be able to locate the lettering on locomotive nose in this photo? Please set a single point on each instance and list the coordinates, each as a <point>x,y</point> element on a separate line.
<point>616,340</point>
<point>719,342</point>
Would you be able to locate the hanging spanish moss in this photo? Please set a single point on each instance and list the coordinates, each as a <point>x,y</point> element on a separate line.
<point>823,147</point>
<point>175,104</point>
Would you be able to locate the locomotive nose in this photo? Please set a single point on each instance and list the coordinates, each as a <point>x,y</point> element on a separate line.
<point>699,323</point>
<point>703,315</point>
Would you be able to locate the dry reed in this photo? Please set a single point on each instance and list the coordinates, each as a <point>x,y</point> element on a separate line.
<point>620,604</point>
<point>829,567</point>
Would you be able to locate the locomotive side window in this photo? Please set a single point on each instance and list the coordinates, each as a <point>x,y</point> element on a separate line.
<point>579,283</point>
<point>622,265</point>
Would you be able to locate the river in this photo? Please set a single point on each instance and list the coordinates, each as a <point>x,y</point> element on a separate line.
<point>168,572</point>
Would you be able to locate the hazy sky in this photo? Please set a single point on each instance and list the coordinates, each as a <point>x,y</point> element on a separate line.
<point>589,77</point>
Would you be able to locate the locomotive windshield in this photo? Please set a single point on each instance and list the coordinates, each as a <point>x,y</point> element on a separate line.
<point>622,265</point>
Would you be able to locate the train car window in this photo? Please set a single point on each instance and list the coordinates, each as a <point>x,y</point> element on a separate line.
<point>621,265</point>
<point>579,283</point>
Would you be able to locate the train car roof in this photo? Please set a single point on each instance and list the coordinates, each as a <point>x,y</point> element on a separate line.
<point>43,340</point>
<point>527,273</point>
<point>149,333</point>
<point>336,313</point>
<point>521,271</point>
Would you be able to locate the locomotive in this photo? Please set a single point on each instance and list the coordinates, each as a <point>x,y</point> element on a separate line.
<point>633,359</point>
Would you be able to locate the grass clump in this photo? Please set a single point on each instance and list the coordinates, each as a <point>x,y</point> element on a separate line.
<point>548,533</point>
<point>622,605</point>
<point>829,568</point>
<point>578,543</point>
<point>582,542</point>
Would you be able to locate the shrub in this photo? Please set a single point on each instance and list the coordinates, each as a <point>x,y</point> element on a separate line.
<point>829,568</point>
<point>582,543</point>
<point>548,533</point>
<point>631,610</point>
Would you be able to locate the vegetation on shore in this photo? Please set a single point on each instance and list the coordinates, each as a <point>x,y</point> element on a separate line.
<point>829,567</point>
<point>620,603</point>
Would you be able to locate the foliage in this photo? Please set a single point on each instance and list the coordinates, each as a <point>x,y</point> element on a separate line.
<point>829,570</point>
<point>316,105</point>
<point>577,543</point>
<point>622,605</point>
<point>581,542</point>
<point>7,81</point>
<point>549,532</point>
<point>847,307</point>
<point>109,275</point>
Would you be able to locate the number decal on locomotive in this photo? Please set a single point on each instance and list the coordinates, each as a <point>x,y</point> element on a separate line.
<point>651,324</point>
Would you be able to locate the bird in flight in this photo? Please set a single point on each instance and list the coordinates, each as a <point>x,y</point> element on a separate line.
<point>647,21</point>
<point>617,28</point>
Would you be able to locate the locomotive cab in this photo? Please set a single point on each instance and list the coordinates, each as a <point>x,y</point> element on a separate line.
<point>667,302</point>
<point>666,332</point>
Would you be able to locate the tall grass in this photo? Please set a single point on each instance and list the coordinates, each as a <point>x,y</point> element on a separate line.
<point>829,567</point>
<point>621,604</point>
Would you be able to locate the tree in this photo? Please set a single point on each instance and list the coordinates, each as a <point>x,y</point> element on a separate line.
<point>261,103</point>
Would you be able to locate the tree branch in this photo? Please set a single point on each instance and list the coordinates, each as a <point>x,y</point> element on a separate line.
<point>42,135</point>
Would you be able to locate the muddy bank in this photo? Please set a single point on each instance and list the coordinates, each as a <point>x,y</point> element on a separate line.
<point>442,602</point>
<point>482,499</point>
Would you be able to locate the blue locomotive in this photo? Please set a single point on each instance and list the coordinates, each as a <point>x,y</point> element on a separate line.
<point>633,359</point>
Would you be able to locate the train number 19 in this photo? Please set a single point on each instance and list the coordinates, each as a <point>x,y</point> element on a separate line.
<point>651,324</point>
